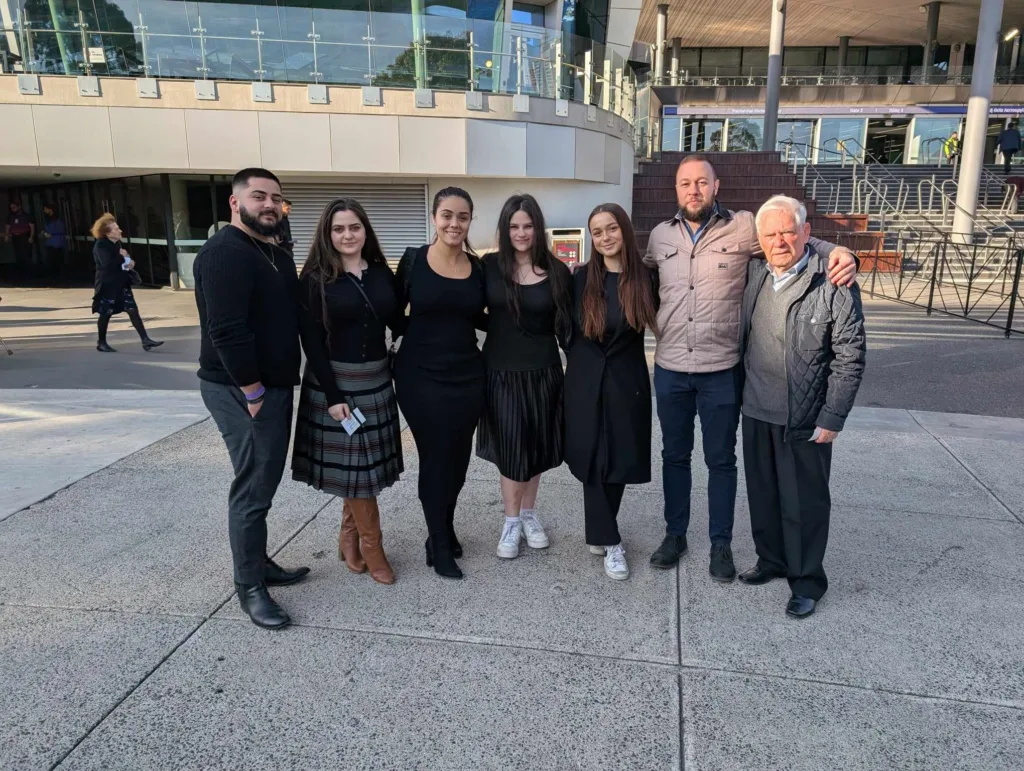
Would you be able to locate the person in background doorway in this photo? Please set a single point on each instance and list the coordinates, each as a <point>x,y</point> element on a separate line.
<point>56,240</point>
<point>951,147</point>
<point>529,306</point>
<point>114,284</point>
<point>284,229</point>
<point>346,301</point>
<point>1009,145</point>
<point>803,348</point>
<point>607,381</point>
<point>21,232</point>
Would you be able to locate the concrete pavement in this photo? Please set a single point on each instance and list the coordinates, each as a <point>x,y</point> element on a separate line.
<point>122,646</point>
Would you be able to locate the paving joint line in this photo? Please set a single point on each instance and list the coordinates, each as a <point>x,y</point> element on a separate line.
<point>47,497</point>
<point>122,611</point>
<point>968,469</point>
<point>175,649</point>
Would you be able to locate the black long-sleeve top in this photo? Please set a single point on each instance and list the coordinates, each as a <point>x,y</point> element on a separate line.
<point>532,342</point>
<point>111,279</point>
<point>356,332</point>
<point>439,334</point>
<point>247,296</point>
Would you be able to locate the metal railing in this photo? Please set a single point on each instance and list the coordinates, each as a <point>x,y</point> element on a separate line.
<point>197,40</point>
<point>850,75</point>
<point>978,282</point>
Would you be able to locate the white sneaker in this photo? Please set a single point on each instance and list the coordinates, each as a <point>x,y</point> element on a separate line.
<point>511,535</point>
<point>598,550</point>
<point>615,563</point>
<point>536,538</point>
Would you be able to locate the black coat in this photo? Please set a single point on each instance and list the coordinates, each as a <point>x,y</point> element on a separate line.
<point>607,402</point>
<point>111,281</point>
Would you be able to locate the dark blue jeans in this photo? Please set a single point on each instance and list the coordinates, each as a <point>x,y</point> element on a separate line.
<point>715,396</point>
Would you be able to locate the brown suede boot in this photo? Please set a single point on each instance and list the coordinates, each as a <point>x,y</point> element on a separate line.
<point>367,517</point>
<point>348,541</point>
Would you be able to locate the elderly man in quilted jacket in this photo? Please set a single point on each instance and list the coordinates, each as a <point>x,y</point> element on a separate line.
<point>701,256</point>
<point>803,346</point>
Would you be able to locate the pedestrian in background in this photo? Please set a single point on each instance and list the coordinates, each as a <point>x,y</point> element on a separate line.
<point>1009,145</point>
<point>284,229</point>
<point>439,373</point>
<point>56,240</point>
<point>803,350</point>
<point>113,285</point>
<point>346,301</point>
<point>20,231</point>
<point>529,305</point>
<point>608,415</point>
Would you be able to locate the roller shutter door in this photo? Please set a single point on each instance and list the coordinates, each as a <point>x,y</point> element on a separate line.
<point>398,213</point>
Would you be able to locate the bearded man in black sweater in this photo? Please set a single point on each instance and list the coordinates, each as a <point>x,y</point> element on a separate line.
<point>247,293</point>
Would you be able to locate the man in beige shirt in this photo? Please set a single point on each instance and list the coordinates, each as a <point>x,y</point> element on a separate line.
<point>701,256</point>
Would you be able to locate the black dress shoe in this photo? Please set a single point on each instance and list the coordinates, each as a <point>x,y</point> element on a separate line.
<point>722,568</point>
<point>260,606</point>
<point>275,575</point>
<point>148,344</point>
<point>441,558</point>
<point>103,347</point>
<point>800,607</point>
<point>756,576</point>
<point>668,554</point>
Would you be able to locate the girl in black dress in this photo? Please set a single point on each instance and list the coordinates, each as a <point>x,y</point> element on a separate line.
<point>114,284</point>
<point>439,374</point>
<point>529,303</point>
<point>608,418</point>
<point>347,297</point>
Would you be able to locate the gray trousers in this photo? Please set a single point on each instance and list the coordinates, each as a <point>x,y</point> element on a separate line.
<point>258,448</point>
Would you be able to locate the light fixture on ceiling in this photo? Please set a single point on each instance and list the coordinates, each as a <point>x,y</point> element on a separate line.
<point>1011,35</point>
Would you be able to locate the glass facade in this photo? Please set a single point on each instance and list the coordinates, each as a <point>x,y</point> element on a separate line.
<point>840,138</point>
<point>440,44</point>
<point>928,136</point>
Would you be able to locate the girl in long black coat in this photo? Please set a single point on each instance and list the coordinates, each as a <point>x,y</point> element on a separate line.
<point>607,381</point>
<point>113,283</point>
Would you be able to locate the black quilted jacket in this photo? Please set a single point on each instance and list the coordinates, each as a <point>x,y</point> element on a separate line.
<point>826,347</point>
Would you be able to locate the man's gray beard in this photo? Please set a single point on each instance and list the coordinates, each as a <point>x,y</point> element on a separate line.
<point>702,215</point>
<point>254,223</point>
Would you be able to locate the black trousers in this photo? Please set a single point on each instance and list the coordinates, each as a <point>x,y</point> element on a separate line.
<point>601,511</point>
<point>442,418</point>
<point>1008,160</point>
<point>787,489</point>
<point>258,448</point>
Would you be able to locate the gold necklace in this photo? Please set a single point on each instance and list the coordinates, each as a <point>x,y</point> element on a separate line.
<point>270,257</point>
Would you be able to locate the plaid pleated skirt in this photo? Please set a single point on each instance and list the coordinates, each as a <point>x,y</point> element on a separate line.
<point>326,457</point>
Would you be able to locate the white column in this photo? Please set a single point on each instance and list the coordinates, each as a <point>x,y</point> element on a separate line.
<point>775,48</point>
<point>677,44</point>
<point>972,153</point>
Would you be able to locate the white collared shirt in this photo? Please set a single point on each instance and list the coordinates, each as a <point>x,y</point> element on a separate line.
<point>779,281</point>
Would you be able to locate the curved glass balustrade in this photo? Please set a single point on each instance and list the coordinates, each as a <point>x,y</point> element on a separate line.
<point>433,46</point>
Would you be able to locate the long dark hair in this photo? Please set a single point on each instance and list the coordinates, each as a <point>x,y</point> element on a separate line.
<point>636,294</point>
<point>454,192</point>
<point>323,265</point>
<point>540,257</point>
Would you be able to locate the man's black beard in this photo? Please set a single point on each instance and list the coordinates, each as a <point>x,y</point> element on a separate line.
<point>254,223</point>
<point>702,215</point>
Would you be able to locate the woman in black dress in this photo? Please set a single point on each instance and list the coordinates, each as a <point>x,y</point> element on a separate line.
<point>113,283</point>
<point>608,417</point>
<point>439,374</point>
<point>346,299</point>
<point>529,305</point>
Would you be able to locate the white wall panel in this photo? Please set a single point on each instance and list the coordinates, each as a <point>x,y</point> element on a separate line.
<point>295,141</point>
<point>550,151</point>
<point>72,136</point>
<point>225,140</point>
<point>148,139</point>
<point>432,145</point>
<point>365,143</point>
<point>18,147</point>
<point>495,148</point>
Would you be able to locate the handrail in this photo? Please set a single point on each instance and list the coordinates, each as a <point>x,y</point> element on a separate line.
<point>833,189</point>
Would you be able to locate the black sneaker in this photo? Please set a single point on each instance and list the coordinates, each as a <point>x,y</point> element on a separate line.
<point>722,567</point>
<point>668,554</point>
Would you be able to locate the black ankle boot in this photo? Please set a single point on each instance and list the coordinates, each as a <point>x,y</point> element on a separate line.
<point>261,607</point>
<point>103,347</point>
<point>149,344</point>
<point>456,546</point>
<point>440,557</point>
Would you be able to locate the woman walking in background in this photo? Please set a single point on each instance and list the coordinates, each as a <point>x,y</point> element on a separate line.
<point>114,283</point>
<point>439,373</point>
<point>347,298</point>
<point>608,417</point>
<point>529,302</point>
